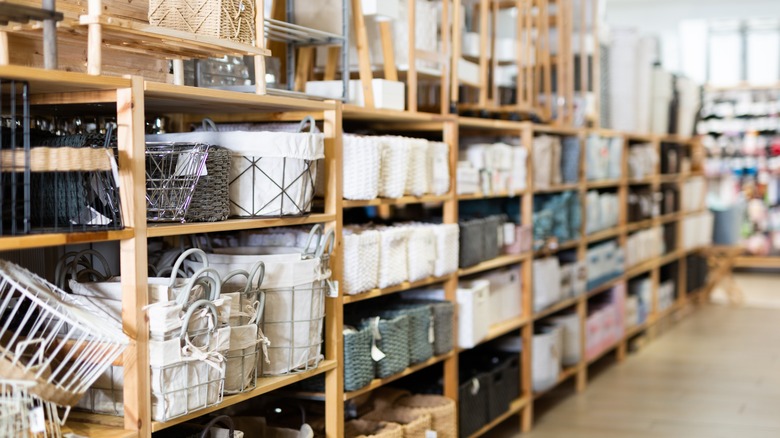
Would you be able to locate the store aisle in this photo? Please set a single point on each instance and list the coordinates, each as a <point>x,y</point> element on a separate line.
<point>714,375</point>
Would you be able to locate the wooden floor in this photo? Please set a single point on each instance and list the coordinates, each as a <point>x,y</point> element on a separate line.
<point>715,374</point>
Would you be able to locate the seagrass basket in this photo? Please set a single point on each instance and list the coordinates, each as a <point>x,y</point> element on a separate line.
<point>227,19</point>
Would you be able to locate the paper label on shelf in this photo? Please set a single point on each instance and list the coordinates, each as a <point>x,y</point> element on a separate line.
<point>37,420</point>
<point>431,434</point>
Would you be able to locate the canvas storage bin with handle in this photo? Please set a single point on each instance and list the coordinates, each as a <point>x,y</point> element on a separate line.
<point>545,357</point>
<point>361,166</point>
<point>295,285</point>
<point>188,372</point>
<point>271,173</point>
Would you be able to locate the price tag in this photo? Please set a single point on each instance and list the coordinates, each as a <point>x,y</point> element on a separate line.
<point>37,420</point>
<point>431,434</point>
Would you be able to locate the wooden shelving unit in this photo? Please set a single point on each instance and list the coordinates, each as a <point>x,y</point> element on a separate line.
<point>133,99</point>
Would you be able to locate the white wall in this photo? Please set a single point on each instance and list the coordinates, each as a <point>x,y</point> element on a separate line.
<point>664,17</point>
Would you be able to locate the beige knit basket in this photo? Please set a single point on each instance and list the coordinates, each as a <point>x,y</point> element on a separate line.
<point>227,19</point>
<point>372,429</point>
<point>441,409</point>
<point>413,422</point>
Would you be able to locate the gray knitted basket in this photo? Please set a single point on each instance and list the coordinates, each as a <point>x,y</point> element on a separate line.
<point>211,198</point>
<point>394,344</point>
<point>443,313</point>
<point>420,346</point>
<point>358,365</point>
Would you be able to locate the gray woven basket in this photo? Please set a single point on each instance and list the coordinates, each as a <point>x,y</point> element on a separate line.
<point>420,347</point>
<point>394,344</point>
<point>443,313</point>
<point>358,365</point>
<point>472,247</point>
<point>211,198</point>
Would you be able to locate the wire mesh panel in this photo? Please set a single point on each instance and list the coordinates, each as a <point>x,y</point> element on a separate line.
<point>45,337</point>
<point>15,139</point>
<point>22,414</point>
<point>172,171</point>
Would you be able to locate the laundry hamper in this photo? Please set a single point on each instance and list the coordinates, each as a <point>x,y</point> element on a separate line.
<point>187,373</point>
<point>361,166</point>
<point>361,259</point>
<point>228,19</point>
<point>22,414</point>
<point>372,429</point>
<point>413,423</point>
<point>172,172</point>
<point>46,338</point>
<point>391,337</point>
<point>442,410</point>
<point>210,200</point>
<point>420,329</point>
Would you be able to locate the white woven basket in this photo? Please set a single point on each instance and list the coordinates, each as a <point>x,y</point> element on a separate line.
<point>417,170</point>
<point>421,252</point>
<point>361,260</point>
<point>438,168</point>
<point>393,168</point>
<point>362,157</point>
<point>447,247</point>
<point>393,255</point>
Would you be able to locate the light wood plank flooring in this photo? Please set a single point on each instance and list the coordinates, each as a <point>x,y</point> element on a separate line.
<point>714,375</point>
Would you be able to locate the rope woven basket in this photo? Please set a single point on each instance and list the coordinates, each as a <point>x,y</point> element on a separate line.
<point>228,19</point>
<point>211,199</point>
<point>442,411</point>
<point>358,365</point>
<point>442,312</point>
<point>413,423</point>
<point>394,344</point>
<point>372,429</point>
<point>420,346</point>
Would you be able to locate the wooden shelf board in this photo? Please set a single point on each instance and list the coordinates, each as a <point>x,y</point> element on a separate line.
<point>748,261</point>
<point>603,353</point>
<point>397,201</point>
<point>637,137</point>
<point>604,234</point>
<point>667,218</point>
<point>672,138</point>
<point>557,307</point>
<point>378,383</point>
<point>97,426</point>
<point>359,113</point>
<point>562,377</point>
<point>641,268</point>
<point>406,285</point>
<point>605,132</point>
<point>514,408</point>
<point>264,386</point>
<point>134,35</point>
<point>636,329</point>
<point>498,262</point>
<point>479,196</point>
<point>58,81</point>
<point>8,243</point>
<point>604,287</point>
<point>670,178</point>
<point>500,329</point>
<point>641,181</point>
<point>670,257</point>
<point>169,98</point>
<point>177,229</point>
<point>544,252</point>
<point>558,130</point>
<point>556,188</point>
<point>640,225</point>
<point>492,124</point>
<point>604,184</point>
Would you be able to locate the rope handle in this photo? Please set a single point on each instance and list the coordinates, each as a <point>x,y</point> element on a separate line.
<point>308,120</point>
<point>209,124</point>
<point>224,420</point>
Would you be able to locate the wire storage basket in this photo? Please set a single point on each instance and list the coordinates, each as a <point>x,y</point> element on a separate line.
<point>22,414</point>
<point>172,171</point>
<point>45,337</point>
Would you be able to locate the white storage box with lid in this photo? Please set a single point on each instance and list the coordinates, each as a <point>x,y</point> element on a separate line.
<point>271,173</point>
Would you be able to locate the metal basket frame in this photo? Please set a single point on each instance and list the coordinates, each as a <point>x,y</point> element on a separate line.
<point>170,182</point>
<point>19,409</point>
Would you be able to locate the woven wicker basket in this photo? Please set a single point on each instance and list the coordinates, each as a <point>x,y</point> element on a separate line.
<point>371,429</point>
<point>420,346</point>
<point>394,344</point>
<point>358,365</point>
<point>228,19</point>
<point>211,198</point>
<point>442,410</point>
<point>413,423</point>
<point>442,312</point>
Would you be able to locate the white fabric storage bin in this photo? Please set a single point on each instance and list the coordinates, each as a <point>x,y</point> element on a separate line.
<point>438,168</point>
<point>271,173</point>
<point>545,358</point>
<point>362,158</point>
<point>543,161</point>
<point>474,308</point>
<point>422,252</point>
<point>547,282</point>
<point>476,154</point>
<point>505,294</point>
<point>387,94</point>
<point>394,167</point>
<point>361,260</point>
<point>570,329</point>
<point>615,167</point>
<point>447,248</point>
<point>519,169</point>
<point>467,178</point>
<point>417,169</point>
<point>393,256</point>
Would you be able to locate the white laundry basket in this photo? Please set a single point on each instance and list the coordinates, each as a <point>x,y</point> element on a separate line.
<point>361,167</point>
<point>271,173</point>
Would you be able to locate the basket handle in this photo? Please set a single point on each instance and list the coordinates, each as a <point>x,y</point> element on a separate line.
<point>236,273</point>
<point>208,278</point>
<point>208,305</point>
<point>203,258</point>
<point>308,120</point>
<point>260,309</point>
<point>328,242</point>
<point>221,419</point>
<point>256,275</point>
<point>109,133</point>
<point>316,230</point>
<point>209,125</point>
